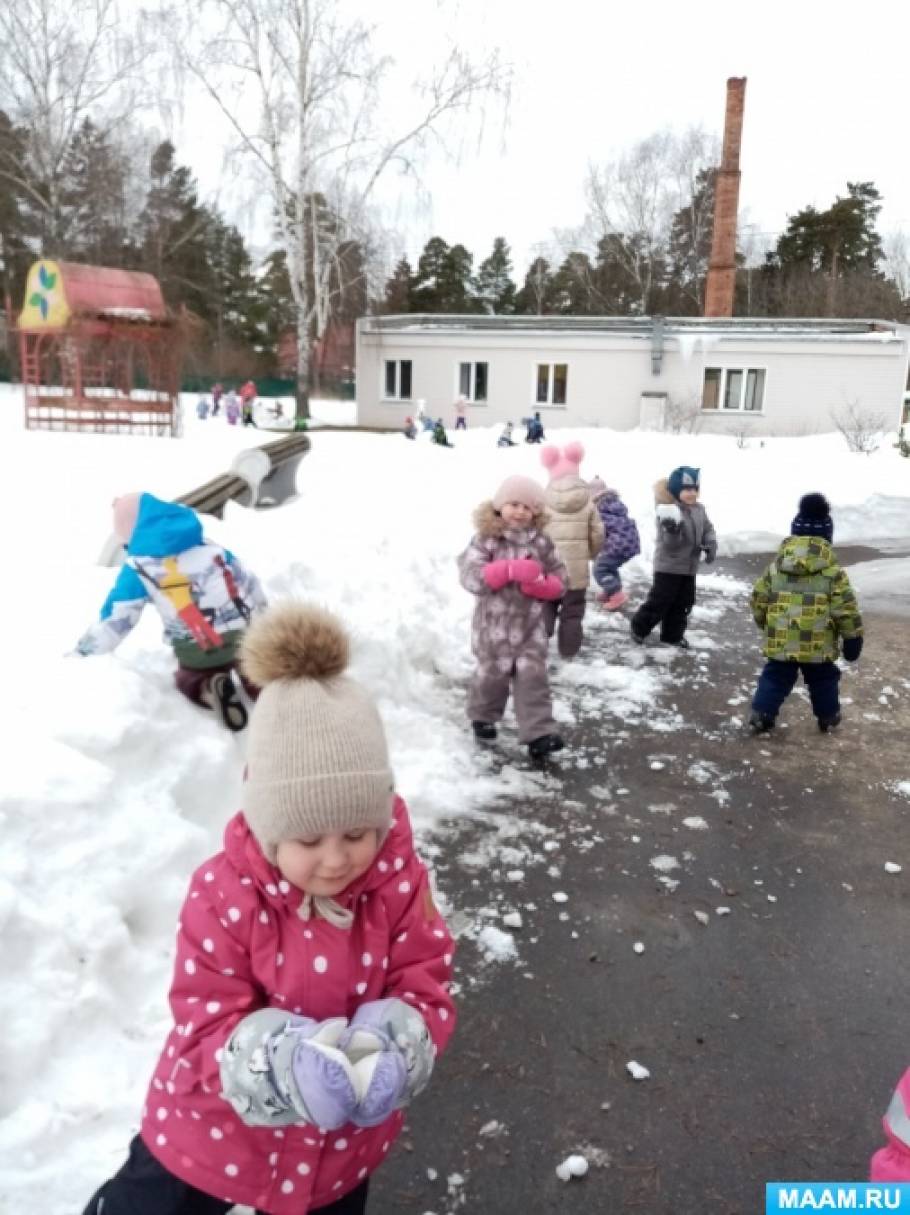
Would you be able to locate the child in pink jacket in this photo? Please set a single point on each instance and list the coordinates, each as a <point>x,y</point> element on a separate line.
<point>892,1163</point>
<point>311,987</point>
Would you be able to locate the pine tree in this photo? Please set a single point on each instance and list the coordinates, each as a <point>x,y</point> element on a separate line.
<point>399,288</point>
<point>538,295</point>
<point>173,233</point>
<point>429,281</point>
<point>495,289</point>
<point>93,221</point>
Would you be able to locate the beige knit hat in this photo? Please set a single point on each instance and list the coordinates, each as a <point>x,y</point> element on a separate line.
<point>317,760</point>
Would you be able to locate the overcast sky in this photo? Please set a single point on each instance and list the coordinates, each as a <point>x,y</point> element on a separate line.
<point>827,101</point>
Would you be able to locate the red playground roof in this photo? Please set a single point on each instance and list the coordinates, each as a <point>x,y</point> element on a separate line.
<point>91,290</point>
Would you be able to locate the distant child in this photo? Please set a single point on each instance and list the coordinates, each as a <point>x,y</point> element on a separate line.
<point>805,605</point>
<point>621,544</point>
<point>439,434</point>
<point>232,408</point>
<point>505,439</point>
<point>202,409</point>
<point>891,1164</point>
<point>217,394</point>
<point>409,430</point>
<point>534,433</point>
<point>575,528</point>
<point>205,597</point>
<point>311,986</point>
<point>684,533</point>
<point>514,570</point>
<point>461,414</point>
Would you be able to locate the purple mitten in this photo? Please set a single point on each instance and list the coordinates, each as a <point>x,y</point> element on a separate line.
<point>314,1076</point>
<point>390,1047</point>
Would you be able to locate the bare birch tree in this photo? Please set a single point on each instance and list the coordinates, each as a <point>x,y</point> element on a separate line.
<point>61,62</point>
<point>298,82</point>
<point>634,198</point>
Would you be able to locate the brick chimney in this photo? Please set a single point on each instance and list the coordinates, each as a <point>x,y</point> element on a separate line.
<point>722,267</point>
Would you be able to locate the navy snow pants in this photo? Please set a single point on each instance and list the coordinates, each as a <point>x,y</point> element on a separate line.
<point>777,679</point>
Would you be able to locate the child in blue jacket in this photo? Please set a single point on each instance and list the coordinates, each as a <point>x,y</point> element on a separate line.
<point>204,596</point>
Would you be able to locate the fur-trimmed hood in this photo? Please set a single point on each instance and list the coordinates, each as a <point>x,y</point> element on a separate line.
<point>489,522</point>
<point>662,495</point>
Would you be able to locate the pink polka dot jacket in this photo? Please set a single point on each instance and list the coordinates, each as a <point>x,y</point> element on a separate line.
<point>241,946</point>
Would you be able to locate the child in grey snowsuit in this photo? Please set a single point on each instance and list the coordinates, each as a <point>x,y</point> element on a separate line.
<point>684,533</point>
<point>513,569</point>
<point>621,544</point>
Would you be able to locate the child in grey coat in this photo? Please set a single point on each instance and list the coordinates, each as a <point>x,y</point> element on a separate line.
<point>684,533</point>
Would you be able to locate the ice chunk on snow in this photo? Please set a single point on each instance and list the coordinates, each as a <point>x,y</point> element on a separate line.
<point>721,910</point>
<point>560,897</point>
<point>664,863</point>
<point>891,867</point>
<point>637,1071</point>
<point>497,946</point>
<point>638,947</point>
<point>702,917</point>
<point>572,1166</point>
<point>512,919</point>
<point>695,823</point>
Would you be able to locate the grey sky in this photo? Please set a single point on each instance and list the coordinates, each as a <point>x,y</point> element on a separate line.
<point>828,99</point>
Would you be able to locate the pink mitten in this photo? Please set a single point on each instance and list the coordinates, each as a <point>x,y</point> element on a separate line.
<point>496,574</point>
<point>524,569</point>
<point>544,588</point>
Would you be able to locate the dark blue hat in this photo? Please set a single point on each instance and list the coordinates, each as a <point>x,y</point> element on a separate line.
<point>813,518</point>
<point>682,478</point>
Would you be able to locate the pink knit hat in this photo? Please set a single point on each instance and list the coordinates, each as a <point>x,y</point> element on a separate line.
<point>563,463</point>
<point>519,489</point>
<point>126,512</point>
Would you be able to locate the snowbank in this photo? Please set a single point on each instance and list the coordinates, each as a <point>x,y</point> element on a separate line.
<point>115,788</point>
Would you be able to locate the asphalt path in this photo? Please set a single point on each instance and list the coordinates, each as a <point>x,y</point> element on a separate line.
<point>773,1032</point>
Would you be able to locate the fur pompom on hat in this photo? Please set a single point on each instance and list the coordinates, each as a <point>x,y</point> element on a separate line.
<point>519,489</point>
<point>317,760</point>
<point>813,518</point>
<point>565,463</point>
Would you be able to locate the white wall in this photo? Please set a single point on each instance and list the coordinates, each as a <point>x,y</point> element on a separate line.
<point>805,379</point>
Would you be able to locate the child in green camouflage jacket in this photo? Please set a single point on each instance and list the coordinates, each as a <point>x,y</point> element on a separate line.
<point>806,607</point>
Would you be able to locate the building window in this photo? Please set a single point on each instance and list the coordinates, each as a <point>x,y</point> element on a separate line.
<point>398,379</point>
<point>472,381</point>
<point>734,389</point>
<point>552,383</point>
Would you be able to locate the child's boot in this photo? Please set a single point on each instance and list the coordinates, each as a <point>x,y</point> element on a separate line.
<point>827,724</point>
<point>761,723</point>
<point>540,748</point>
<point>484,731</point>
<point>614,602</point>
<point>228,703</point>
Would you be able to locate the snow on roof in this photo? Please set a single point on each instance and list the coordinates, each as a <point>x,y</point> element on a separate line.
<point>685,330</point>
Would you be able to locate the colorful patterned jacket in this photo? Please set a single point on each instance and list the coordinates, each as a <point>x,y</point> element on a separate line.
<point>621,539</point>
<point>204,595</point>
<point>804,602</point>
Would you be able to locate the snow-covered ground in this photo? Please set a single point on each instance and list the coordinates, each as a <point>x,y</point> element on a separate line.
<point>114,788</point>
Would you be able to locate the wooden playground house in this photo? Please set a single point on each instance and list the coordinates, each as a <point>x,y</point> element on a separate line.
<point>99,351</point>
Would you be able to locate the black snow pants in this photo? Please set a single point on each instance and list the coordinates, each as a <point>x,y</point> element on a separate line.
<point>145,1187</point>
<point>669,602</point>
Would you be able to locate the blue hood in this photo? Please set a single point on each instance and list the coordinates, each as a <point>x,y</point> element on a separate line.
<point>163,528</point>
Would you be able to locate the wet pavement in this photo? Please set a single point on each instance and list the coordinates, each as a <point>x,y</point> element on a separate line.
<point>773,1032</point>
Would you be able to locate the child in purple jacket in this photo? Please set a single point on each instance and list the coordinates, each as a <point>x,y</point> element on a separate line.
<point>621,542</point>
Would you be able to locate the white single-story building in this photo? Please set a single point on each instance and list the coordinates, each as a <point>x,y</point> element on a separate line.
<point>743,375</point>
